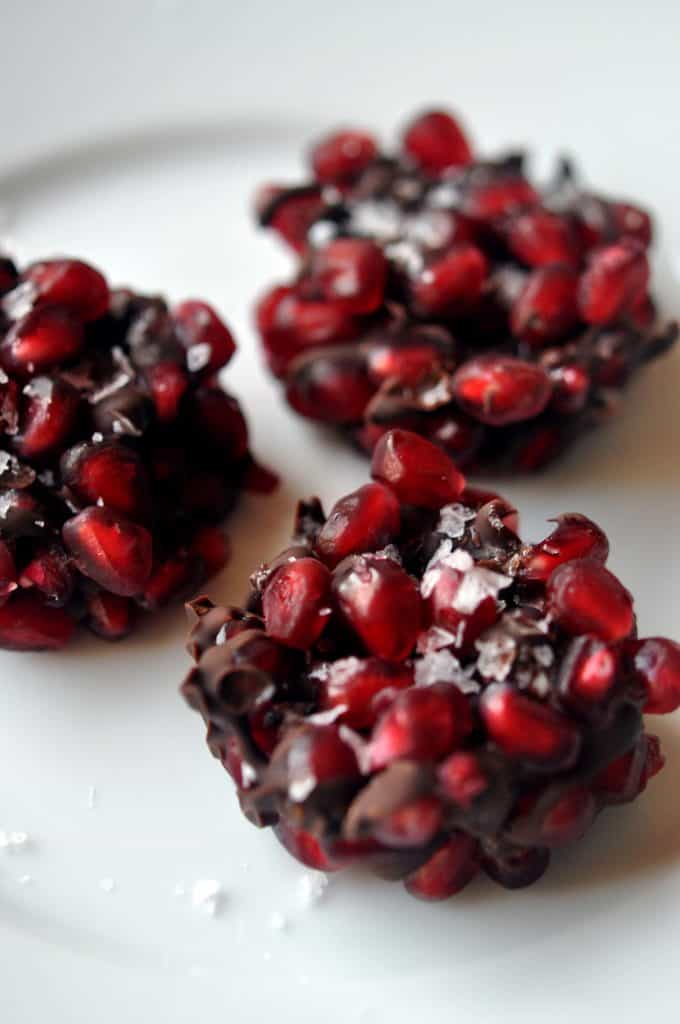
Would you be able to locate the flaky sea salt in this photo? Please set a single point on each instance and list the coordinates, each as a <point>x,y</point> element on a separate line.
<point>496,655</point>
<point>107,884</point>
<point>453,519</point>
<point>207,895</point>
<point>327,717</point>
<point>248,775</point>
<point>13,840</point>
<point>278,922</point>
<point>434,639</point>
<point>311,888</point>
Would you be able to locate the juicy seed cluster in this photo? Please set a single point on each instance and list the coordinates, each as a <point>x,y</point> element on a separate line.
<point>450,296</point>
<point>412,686</point>
<point>120,452</point>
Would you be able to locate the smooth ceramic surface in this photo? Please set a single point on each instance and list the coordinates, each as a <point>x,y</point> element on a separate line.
<point>102,765</point>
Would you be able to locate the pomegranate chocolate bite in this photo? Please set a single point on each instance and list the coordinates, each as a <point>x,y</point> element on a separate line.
<point>412,686</point>
<point>120,452</point>
<point>447,294</point>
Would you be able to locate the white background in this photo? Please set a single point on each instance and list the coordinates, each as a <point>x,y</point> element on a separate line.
<point>133,134</point>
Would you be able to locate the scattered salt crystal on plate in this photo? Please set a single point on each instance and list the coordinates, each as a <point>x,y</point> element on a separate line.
<point>311,888</point>
<point>107,885</point>
<point>13,840</point>
<point>207,895</point>
<point>277,922</point>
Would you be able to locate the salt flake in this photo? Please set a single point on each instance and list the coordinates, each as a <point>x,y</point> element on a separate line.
<point>311,888</point>
<point>207,895</point>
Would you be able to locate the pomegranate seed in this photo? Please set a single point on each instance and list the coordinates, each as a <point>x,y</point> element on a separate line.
<point>71,284</point>
<point>657,664</point>
<point>477,497</point>
<point>571,387</point>
<point>589,671</point>
<point>108,473</point>
<point>220,422</point>
<point>168,383</point>
<point>614,281</point>
<point>459,602</point>
<point>305,848</point>
<point>315,755</point>
<point>109,615</point>
<point>566,818</point>
<point>264,728</point>
<point>26,624</point>
<point>643,314</point>
<point>110,550</point>
<point>171,580</point>
<point>540,238</point>
<point>209,343</point>
<point>631,222</point>
<point>296,602</point>
<point>48,416</point>
<point>528,731</point>
<point>212,547</point>
<point>423,723</point>
<point>497,198</point>
<point>627,776</point>
<point>333,388</point>
<point>459,436</point>
<point>365,520</point>
<point>352,684</point>
<point>339,158</point>
<point>501,389</point>
<point>517,867</point>
<point>418,472</point>
<point>538,449</point>
<point>546,308</point>
<point>41,340</point>
<point>381,603</point>
<point>49,571</point>
<point>462,778</point>
<point>290,212</point>
<point>447,871</point>
<point>574,537</point>
<point>289,324</point>
<point>434,140</point>
<point>407,359</point>
<point>260,480</point>
<point>351,273</point>
<point>584,597</point>
<point>450,283</point>
<point>414,824</point>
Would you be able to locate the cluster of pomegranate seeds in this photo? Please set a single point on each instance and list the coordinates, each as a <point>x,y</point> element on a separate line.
<point>120,453</point>
<point>412,686</point>
<point>448,295</point>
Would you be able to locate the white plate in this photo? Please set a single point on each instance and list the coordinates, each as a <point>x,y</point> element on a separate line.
<point>99,932</point>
